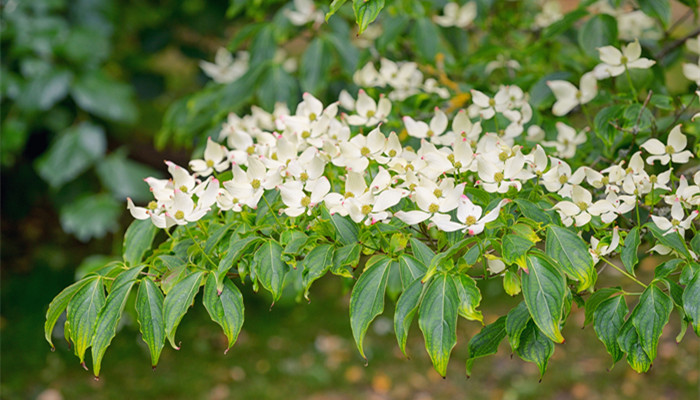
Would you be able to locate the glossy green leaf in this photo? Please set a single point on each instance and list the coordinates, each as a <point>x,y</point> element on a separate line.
<point>82,313</point>
<point>571,254</point>
<point>111,313</point>
<point>535,347</point>
<point>71,154</point>
<point>608,318</point>
<point>334,7</point>
<point>650,317</point>
<point>138,240</point>
<point>59,304</point>
<point>346,231</point>
<point>92,215</point>
<point>660,9</point>
<point>486,341</point>
<point>237,247</point>
<point>406,308</point>
<point>45,90</point>
<point>629,342</point>
<point>691,302</point>
<point>667,268</point>
<point>314,66</point>
<point>533,212</point>
<point>594,301</point>
<point>511,283</point>
<point>629,250</point>
<point>695,243</point>
<point>293,241</point>
<point>316,264</point>
<point>149,306</point>
<point>410,268</point>
<point>514,248</point>
<point>105,98</point>
<point>469,298</point>
<point>178,300</point>
<point>225,308</point>
<point>348,55</point>
<point>437,320</point>
<point>345,260</point>
<point>421,251</point>
<point>269,268</point>
<point>425,37</point>
<point>124,177</point>
<point>367,298</point>
<point>600,30</point>
<point>366,11</point>
<point>516,322</point>
<point>544,289</point>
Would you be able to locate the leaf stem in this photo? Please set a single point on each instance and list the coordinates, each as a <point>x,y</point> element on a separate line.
<point>269,207</point>
<point>199,247</point>
<point>629,80</point>
<point>625,273</point>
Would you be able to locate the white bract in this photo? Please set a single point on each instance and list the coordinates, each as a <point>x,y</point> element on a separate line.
<point>454,15</point>
<point>569,96</point>
<point>226,68</point>
<point>615,62</point>
<point>673,150</point>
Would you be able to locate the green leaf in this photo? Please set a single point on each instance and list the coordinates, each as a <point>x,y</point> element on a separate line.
<point>691,302</point>
<point>124,177</point>
<point>91,216</point>
<point>594,301</point>
<point>138,240</point>
<point>111,313</point>
<point>346,230</point>
<point>533,212</point>
<point>316,264</point>
<point>366,11</point>
<point>410,268</point>
<point>629,250</point>
<point>486,342</point>
<point>563,24</point>
<point>672,240</point>
<point>293,241</point>
<point>334,7</point>
<point>650,316</point>
<point>367,298</point>
<point>348,55</point>
<point>600,30</point>
<point>601,123</point>
<point>45,90</point>
<point>425,35</point>
<point>469,298</point>
<point>608,318</point>
<point>82,315</point>
<point>516,322</point>
<point>277,85</point>
<point>406,308</point>
<point>149,306</point>
<point>438,320</point>
<point>695,243</point>
<point>226,308</point>
<point>269,268</point>
<point>345,260</point>
<point>628,339</point>
<point>59,304</point>
<point>535,347</point>
<point>178,300</point>
<point>421,251</point>
<point>237,247</point>
<point>105,98</point>
<point>514,248</point>
<point>572,256</point>
<point>666,268</point>
<point>544,289</point>
<point>314,66</point>
<point>660,9</point>
<point>71,154</point>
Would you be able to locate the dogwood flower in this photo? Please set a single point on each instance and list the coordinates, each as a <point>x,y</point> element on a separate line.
<point>599,249</point>
<point>300,198</point>
<point>432,200</point>
<point>457,16</point>
<point>568,96</point>
<point>226,68</point>
<point>615,62</point>
<point>672,151</point>
<point>677,223</point>
<point>581,207</point>
<point>215,158</point>
<point>369,112</point>
<point>689,195</point>
<point>469,216</point>
<point>567,140</point>
<point>304,12</point>
<point>421,130</point>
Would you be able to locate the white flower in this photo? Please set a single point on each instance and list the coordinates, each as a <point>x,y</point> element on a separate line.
<point>469,217</point>
<point>568,96</point>
<point>615,61</point>
<point>620,205</point>
<point>214,159</point>
<point>567,140</point>
<point>299,197</point>
<point>636,24</point>
<point>599,249</point>
<point>462,126</point>
<point>677,223</point>
<point>304,12</point>
<point>551,13</point>
<point>560,179</point>
<point>369,112</point>
<point>672,151</point>
<point>183,209</point>
<point>225,68</point>
<point>692,72</point>
<point>581,208</point>
<point>487,107</point>
<point>687,194</point>
<point>247,187</point>
<point>421,130</point>
<point>502,175</point>
<point>454,15</point>
<point>432,201</point>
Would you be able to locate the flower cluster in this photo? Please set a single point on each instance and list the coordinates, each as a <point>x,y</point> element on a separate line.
<point>404,79</point>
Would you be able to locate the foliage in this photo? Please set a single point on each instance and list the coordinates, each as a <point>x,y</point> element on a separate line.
<point>439,175</point>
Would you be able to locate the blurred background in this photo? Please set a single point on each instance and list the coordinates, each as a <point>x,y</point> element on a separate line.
<point>95,95</point>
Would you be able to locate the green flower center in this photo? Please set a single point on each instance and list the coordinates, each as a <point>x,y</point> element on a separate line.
<point>152,205</point>
<point>498,177</point>
<point>210,163</point>
<point>471,220</point>
<point>255,183</point>
<point>305,201</point>
<point>364,151</point>
<point>434,208</point>
<point>179,215</point>
<point>366,209</point>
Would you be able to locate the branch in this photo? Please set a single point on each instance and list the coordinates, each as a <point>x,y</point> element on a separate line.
<point>678,43</point>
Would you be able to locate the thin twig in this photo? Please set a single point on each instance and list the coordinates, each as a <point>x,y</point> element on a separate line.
<point>623,272</point>
<point>678,43</point>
